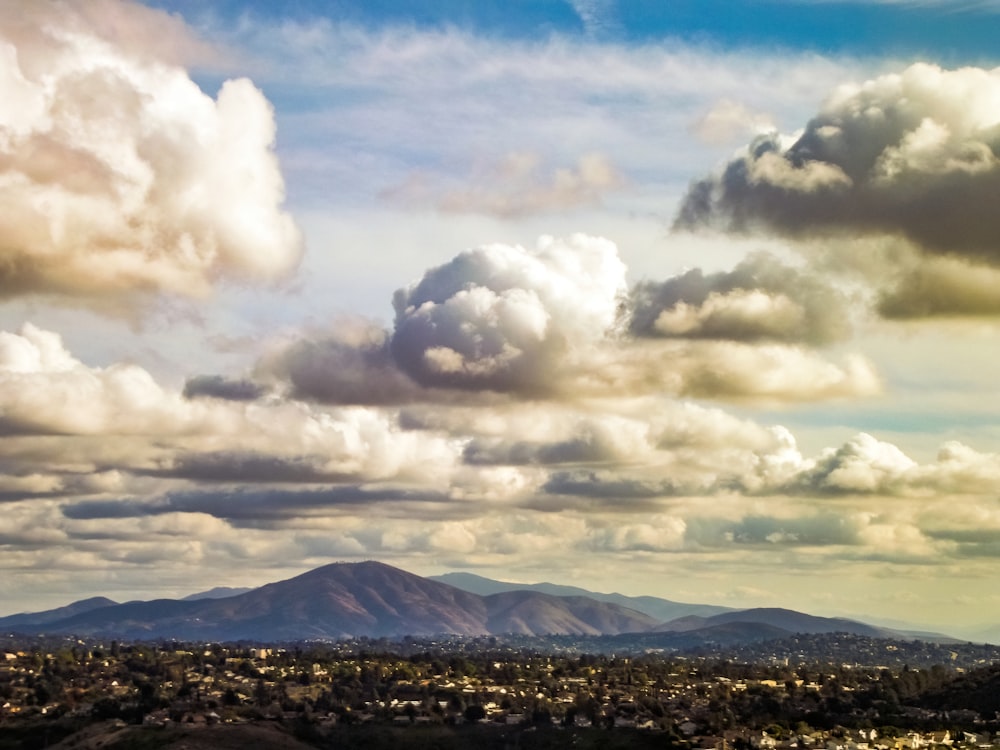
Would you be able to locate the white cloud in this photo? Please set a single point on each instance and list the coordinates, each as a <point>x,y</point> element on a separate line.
<point>508,319</point>
<point>729,120</point>
<point>58,412</point>
<point>118,177</point>
<point>558,321</point>
<point>760,299</point>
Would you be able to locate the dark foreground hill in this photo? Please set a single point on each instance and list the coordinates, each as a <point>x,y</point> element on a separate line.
<point>787,620</point>
<point>303,736</point>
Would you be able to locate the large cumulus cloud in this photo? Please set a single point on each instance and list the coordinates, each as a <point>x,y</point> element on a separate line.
<point>867,466</point>
<point>761,299</point>
<point>349,364</point>
<point>118,175</point>
<point>502,322</point>
<point>506,318</point>
<point>911,154</point>
<point>908,159</point>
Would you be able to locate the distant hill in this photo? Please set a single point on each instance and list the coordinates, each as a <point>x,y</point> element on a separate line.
<point>661,610</point>
<point>219,592</point>
<point>13,622</point>
<point>787,620</point>
<point>722,634</point>
<point>534,613</point>
<point>348,599</point>
<point>986,635</point>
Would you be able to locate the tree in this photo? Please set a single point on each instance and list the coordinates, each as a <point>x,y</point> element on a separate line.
<point>474,713</point>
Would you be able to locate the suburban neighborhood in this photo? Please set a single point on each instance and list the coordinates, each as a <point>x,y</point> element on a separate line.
<point>313,688</point>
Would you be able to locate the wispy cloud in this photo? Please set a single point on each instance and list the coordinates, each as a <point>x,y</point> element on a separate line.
<point>517,187</point>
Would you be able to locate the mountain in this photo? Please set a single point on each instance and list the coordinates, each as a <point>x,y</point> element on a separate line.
<point>786,620</point>
<point>533,613</point>
<point>790,622</point>
<point>661,610</point>
<point>348,599</point>
<point>12,622</point>
<point>219,592</point>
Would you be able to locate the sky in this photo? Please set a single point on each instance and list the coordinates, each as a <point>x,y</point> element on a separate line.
<point>698,300</point>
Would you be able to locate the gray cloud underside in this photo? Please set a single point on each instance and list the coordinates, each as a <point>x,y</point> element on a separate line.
<point>941,287</point>
<point>912,154</point>
<point>598,485</point>
<point>249,505</point>
<point>588,449</point>
<point>221,387</point>
<point>761,299</point>
<point>351,365</point>
<point>251,468</point>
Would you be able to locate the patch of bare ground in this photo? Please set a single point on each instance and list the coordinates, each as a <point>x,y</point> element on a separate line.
<point>114,736</point>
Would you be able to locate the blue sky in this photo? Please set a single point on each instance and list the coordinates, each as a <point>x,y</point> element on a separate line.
<point>955,32</point>
<point>696,300</point>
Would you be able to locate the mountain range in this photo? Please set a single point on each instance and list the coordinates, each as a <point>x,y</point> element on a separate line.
<point>372,599</point>
<point>662,610</point>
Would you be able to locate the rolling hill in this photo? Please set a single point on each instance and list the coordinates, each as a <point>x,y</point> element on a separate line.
<point>787,620</point>
<point>659,609</point>
<point>13,622</point>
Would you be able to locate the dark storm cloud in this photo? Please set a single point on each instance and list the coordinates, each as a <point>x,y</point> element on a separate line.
<point>604,485</point>
<point>483,452</point>
<point>761,299</point>
<point>246,505</point>
<point>351,365</point>
<point>221,387</point>
<point>911,155</point>
<point>235,466</point>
